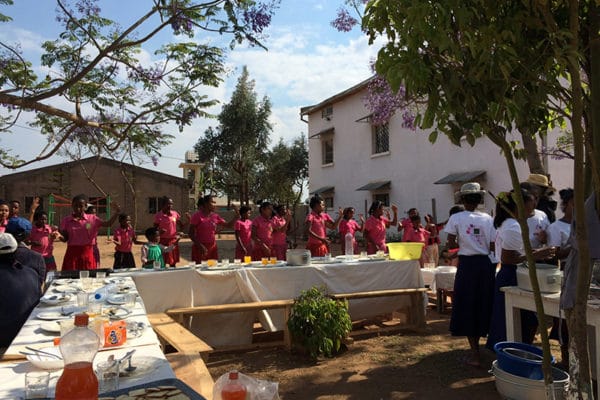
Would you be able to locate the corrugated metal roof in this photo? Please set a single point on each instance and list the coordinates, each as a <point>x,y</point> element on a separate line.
<point>323,190</point>
<point>323,132</point>
<point>375,185</point>
<point>459,177</point>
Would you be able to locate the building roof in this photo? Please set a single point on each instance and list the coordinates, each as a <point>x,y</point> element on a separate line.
<point>376,185</point>
<point>459,177</point>
<point>335,98</point>
<point>23,174</point>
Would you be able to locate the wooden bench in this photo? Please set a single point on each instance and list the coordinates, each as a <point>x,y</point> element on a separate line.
<point>179,314</point>
<point>192,352</point>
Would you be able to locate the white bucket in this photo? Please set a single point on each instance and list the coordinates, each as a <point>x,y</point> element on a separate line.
<point>515,387</point>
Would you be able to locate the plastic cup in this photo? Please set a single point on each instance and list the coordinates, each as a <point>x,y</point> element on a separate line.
<point>36,384</point>
<point>84,274</point>
<point>83,299</point>
<point>130,299</point>
<point>87,283</point>
<point>429,265</point>
<point>237,261</point>
<point>272,260</point>
<point>94,309</point>
<point>264,260</point>
<point>211,262</point>
<point>108,376</point>
<point>247,259</point>
<point>225,262</point>
<point>101,275</point>
<point>363,254</point>
<point>156,264</point>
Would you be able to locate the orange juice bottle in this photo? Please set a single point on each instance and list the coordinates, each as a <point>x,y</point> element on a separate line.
<point>233,389</point>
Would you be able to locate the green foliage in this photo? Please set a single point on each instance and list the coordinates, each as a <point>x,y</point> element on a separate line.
<point>318,322</point>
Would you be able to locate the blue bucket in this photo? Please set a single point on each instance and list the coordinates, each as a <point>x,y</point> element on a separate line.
<point>520,359</point>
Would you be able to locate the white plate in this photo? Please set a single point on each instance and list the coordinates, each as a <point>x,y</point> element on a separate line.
<point>51,316</point>
<point>55,299</point>
<point>47,362</point>
<point>116,298</point>
<point>116,281</point>
<point>51,327</point>
<point>66,289</point>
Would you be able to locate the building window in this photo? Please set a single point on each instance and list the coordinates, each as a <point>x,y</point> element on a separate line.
<point>100,204</point>
<point>327,147</point>
<point>382,197</point>
<point>327,112</point>
<point>381,138</point>
<point>153,205</point>
<point>328,202</point>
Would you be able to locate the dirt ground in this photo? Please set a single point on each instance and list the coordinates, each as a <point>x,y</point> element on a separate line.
<point>406,365</point>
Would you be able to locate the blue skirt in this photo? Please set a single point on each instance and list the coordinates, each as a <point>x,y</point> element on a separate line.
<point>473,295</point>
<point>507,276</point>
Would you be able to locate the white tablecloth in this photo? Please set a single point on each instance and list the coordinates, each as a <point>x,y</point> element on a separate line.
<point>164,290</point>
<point>441,277</point>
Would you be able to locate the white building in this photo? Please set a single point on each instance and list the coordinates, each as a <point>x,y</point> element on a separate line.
<point>352,163</point>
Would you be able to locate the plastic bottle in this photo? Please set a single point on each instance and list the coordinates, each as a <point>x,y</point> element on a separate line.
<point>233,389</point>
<point>100,294</point>
<point>78,348</point>
<point>349,245</point>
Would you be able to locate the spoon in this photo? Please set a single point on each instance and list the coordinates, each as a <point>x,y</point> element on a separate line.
<point>130,368</point>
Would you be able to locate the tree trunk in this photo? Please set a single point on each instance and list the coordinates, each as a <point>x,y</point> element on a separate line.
<point>534,160</point>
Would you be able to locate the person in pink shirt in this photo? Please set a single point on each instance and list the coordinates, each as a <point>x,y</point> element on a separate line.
<point>281,222</point>
<point>418,234</point>
<point>42,237</point>
<point>243,233</point>
<point>348,224</point>
<point>4,211</point>
<point>316,224</point>
<point>79,231</point>
<point>376,225</point>
<point>203,228</point>
<point>124,238</point>
<point>167,221</point>
<point>406,223</point>
<point>262,233</point>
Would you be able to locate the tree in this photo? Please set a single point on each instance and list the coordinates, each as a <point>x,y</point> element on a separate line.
<point>98,90</point>
<point>237,148</point>
<point>483,78</point>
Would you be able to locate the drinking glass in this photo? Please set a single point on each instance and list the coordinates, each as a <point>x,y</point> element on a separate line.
<point>108,376</point>
<point>156,264</point>
<point>211,262</point>
<point>100,275</point>
<point>130,299</point>
<point>84,274</point>
<point>83,299</point>
<point>272,260</point>
<point>225,262</point>
<point>237,261</point>
<point>36,384</point>
<point>264,260</point>
<point>247,259</point>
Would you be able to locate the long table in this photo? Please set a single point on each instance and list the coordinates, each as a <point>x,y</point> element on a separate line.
<point>195,287</point>
<point>148,355</point>
<point>516,299</point>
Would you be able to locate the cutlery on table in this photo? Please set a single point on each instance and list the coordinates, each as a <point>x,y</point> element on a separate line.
<point>38,351</point>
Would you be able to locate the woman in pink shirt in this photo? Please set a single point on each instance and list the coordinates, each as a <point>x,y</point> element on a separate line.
<point>418,234</point>
<point>376,225</point>
<point>4,211</point>
<point>42,239</point>
<point>262,232</point>
<point>349,225</point>
<point>203,228</point>
<point>167,221</point>
<point>317,222</point>
<point>243,233</point>
<point>80,230</point>
<point>124,238</point>
<point>281,222</point>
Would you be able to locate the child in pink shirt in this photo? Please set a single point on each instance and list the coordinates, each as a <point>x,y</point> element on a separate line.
<point>317,222</point>
<point>124,238</point>
<point>349,225</point>
<point>42,239</point>
<point>281,220</point>
<point>262,232</point>
<point>243,233</point>
<point>167,221</point>
<point>376,225</point>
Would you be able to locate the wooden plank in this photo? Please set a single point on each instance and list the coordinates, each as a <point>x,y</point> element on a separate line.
<point>179,337</point>
<point>233,307</point>
<point>192,370</point>
<point>378,293</point>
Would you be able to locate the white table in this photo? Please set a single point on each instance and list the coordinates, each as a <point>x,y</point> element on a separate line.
<point>205,287</point>
<point>441,281</point>
<point>516,299</point>
<point>147,349</point>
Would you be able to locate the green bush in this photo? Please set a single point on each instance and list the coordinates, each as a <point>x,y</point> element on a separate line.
<point>319,323</point>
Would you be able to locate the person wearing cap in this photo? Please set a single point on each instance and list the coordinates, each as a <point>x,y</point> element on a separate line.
<point>473,233</point>
<point>20,289</point>
<point>20,229</point>
<point>538,220</point>
<point>541,187</point>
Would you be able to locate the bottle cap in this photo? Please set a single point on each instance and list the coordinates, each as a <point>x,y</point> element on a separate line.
<point>81,319</point>
<point>233,375</point>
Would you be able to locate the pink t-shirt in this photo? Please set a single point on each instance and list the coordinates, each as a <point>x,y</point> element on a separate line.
<point>42,236</point>
<point>205,226</point>
<point>376,230</point>
<point>415,235</point>
<point>317,225</point>
<point>264,229</point>
<point>81,232</point>
<point>279,237</point>
<point>244,229</point>
<point>348,226</point>
<point>168,223</point>
<point>125,237</point>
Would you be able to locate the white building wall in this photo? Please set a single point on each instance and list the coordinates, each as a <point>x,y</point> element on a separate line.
<point>412,165</point>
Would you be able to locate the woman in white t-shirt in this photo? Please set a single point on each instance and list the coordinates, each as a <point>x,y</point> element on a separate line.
<point>473,233</point>
<point>510,251</point>
<point>559,231</point>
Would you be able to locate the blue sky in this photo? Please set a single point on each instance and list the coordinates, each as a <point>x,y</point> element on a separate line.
<point>306,62</point>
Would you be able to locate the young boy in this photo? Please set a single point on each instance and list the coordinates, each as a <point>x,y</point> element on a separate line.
<point>153,250</point>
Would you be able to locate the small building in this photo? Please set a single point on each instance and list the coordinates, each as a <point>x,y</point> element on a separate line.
<point>353,162</point>
<point>137,190</point>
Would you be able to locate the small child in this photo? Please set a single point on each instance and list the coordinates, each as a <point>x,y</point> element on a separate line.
<point>153,250</point>
<point>42,239</point>
<point>243,233</point>
<point>124,238</point>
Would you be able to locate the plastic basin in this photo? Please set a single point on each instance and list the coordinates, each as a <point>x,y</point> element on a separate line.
<point>405,250</point>
<point>518,388</point>
<point>520,359</point>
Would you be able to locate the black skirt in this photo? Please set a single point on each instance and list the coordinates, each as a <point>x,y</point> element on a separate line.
<point>473,296</point>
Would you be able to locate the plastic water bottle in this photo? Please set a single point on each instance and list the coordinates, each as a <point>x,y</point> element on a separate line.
<point>100,295</point>
<point>349,245</point>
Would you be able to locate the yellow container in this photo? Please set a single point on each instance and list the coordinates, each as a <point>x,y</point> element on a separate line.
<point>405,250</point>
